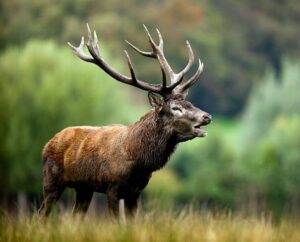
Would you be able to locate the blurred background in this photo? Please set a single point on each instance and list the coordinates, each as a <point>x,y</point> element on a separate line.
<point>249,162</point>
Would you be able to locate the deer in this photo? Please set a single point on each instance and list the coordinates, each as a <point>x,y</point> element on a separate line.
<point>118,160</point>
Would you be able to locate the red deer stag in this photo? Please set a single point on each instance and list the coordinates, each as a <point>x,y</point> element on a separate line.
<point>118,160</point>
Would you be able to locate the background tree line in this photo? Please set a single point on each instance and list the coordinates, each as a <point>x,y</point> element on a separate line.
<point>236,40</point>
<point>251,157</point>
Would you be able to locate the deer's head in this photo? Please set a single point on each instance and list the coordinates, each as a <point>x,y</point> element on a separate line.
<point>180,116</point>
<point>167,98</point>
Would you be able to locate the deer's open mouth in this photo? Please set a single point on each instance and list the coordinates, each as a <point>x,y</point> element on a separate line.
<point>199,131</point>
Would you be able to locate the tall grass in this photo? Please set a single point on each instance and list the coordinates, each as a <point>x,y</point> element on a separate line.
<point>156,226</point>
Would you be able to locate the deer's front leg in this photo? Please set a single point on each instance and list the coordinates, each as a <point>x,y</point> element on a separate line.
<point>131,204</point>
<point>113,202</point>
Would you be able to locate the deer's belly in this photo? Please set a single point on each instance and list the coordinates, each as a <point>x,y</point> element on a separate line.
<point>89,173</point>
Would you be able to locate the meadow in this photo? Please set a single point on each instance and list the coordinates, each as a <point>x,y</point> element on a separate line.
<point>249,162</point>
<point>186,225</point>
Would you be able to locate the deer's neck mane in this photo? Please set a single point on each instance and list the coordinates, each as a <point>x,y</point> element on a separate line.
<point>150,142</point>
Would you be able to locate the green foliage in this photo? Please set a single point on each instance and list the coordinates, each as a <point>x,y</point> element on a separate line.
<point>163,188</point>
<point>45,88</point>
<point>269,138</point>
<point>269,100</point>
<point>286,139</point>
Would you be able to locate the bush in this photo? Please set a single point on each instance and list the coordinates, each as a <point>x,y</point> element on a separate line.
<point>163,188</point>
<point>270,147</point>
<point>274,97</point>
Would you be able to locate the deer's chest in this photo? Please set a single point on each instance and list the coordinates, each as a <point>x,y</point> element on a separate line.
<point>134,183</point>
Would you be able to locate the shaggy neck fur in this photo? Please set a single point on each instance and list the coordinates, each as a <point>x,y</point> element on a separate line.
<point>151,141</point>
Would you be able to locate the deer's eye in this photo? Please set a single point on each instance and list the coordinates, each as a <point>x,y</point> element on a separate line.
<point>176,109</point>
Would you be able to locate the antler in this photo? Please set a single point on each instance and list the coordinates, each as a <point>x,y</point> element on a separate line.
<point>157,52</point>
<point>96,58</point>
<point>186,85</point>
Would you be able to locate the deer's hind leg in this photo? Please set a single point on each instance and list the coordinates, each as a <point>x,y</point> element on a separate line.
<point>53,186</point>
<point>51,195</point>
<point>83,200</point>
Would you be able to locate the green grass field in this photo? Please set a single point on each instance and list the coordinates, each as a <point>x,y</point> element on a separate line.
<point>184,226</point>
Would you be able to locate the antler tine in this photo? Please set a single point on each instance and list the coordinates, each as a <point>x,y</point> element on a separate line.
<point>96,46</point>
<point>135,80</point>
<point>130,67</point>
<point>90,38</point>
<point>144,53</point>
<point>183,87</point>
<point>159,50</point>
<point>190,61</point>
<point>79,51</point>
<point>92,43</point>
<point>153,45</point>
<point>161,40</point>
<point>179,76</point>
<point>152,53</point>
<point>99,61</point>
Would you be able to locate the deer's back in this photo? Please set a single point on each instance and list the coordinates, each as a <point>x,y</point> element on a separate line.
<point>87,154</point>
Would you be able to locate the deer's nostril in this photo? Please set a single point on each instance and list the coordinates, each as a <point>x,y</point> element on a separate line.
<point>207,117</point>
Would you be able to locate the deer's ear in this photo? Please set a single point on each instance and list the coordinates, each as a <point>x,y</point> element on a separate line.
<point>155,100</point>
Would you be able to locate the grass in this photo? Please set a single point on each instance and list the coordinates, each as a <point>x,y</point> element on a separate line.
<point>187,226</point>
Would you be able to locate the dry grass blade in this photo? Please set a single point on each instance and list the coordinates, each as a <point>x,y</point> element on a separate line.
<point>155,226</point>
